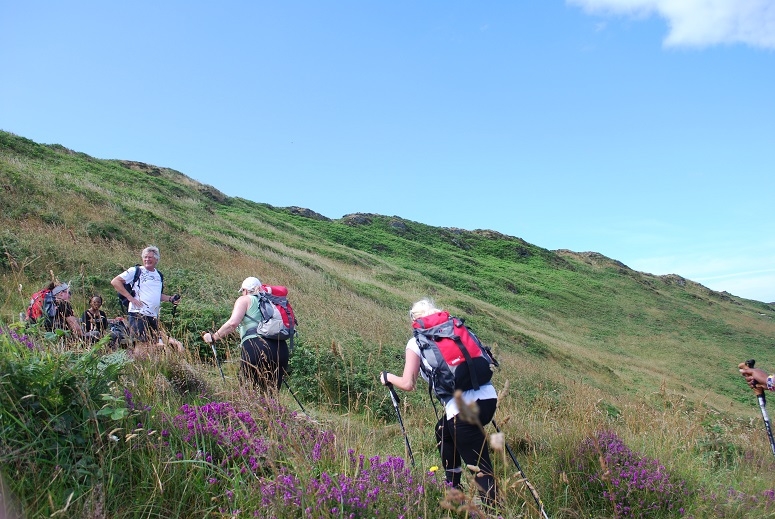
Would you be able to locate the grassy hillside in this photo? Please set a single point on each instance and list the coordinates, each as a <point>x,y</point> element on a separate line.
<point>582,315</point>
<point>583,340</point>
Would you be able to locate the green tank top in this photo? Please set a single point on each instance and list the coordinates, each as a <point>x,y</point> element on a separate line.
<point>252,319</point>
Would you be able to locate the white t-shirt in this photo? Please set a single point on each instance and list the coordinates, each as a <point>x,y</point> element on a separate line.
<point>484,392</point>
<point>148,290</point>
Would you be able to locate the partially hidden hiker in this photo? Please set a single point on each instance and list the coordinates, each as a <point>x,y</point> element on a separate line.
<point>40,303</point>
<point>94,320</point>
<point>63,318</point>
<point>457,437</point>
<point>264,353</point>
<point>145,299</point>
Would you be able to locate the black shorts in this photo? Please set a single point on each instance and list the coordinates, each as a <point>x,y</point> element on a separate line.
<point>143,328</point>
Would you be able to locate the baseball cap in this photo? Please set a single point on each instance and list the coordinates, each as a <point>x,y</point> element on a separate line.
<point>250,283</point>
<point>60,288</point>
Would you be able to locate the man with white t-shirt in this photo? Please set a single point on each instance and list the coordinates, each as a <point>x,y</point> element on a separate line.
<point>148,296</point>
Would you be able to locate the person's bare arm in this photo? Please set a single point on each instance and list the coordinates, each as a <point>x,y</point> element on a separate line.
<point>237,314</point>
<point>118,284</point>
<point>75,326</point>
<point>408,380</point>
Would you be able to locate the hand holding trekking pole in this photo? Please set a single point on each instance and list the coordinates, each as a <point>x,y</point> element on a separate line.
<point>755,377</point>
<point>759,380</point>
<point>208,338</point>
<point>394,398</point>
<point>174,300</point>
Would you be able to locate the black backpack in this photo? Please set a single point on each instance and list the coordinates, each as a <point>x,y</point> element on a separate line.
<point>457,358</point>
<point>130,287</point>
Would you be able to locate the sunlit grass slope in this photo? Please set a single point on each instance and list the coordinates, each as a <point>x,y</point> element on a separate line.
<point>581,315</point>
<point>585,342</point>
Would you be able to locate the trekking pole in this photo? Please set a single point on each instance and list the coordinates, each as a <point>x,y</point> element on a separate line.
<point>759,390</point>
<point>174,300</point>
<point>215,354</point>
<point>294,396</point>
<point>394,398</point>
<point>530,486</point>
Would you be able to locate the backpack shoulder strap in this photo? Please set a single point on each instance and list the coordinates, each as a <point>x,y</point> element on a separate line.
<point>423,340</point>
<point>261,302</point>
<point>136,277</point>
<point>49,306</point>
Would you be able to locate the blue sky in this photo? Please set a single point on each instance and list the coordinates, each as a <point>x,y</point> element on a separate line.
<point>640,129</point>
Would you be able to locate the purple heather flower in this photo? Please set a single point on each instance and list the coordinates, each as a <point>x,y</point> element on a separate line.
<point>633,484</point>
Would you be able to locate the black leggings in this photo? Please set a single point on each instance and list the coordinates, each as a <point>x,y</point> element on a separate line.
<point>459,439</point>
<point>264,362</point>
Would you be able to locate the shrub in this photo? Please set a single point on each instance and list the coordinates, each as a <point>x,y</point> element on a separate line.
<point>274,463</point>
<point>48,412</point>
<point>630,484</point>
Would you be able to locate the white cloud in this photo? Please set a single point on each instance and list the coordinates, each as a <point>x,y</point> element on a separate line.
<point>700,23</point>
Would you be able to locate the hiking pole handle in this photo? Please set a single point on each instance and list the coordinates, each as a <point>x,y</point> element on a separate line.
<point>759,390</point>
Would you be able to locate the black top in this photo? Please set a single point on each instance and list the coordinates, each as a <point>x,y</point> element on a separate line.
<point>64,310</point>
<point>97,322</point>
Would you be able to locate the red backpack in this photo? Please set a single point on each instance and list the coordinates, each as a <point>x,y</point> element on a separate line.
<point>278,320</point>
<point>457,358</point>
<point>278,296</point>
<point>36,309</point>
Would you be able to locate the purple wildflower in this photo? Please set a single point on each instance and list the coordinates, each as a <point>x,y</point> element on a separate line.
<point>636,486</point>
<point>21,339</point>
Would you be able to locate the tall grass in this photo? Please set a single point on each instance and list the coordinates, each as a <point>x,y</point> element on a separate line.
<point>94,433</point>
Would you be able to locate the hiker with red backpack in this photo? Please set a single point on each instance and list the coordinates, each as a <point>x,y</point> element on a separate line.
<point>51,309</point>
<point>41,304</point>
<point>458,370</point>
<point>64,318</point>
<point>266,322</point>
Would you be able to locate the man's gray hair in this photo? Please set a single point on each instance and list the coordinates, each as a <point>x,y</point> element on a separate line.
<point>152,249</point>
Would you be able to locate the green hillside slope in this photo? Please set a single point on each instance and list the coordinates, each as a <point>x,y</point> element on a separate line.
<point>604,370</point>
<point>581,316</point>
